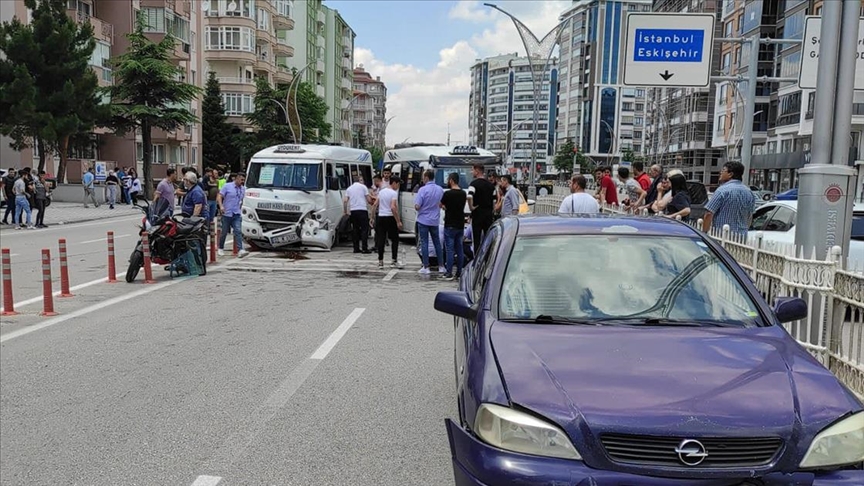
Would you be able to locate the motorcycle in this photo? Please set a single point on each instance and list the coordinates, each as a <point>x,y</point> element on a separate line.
<point>171,239</point>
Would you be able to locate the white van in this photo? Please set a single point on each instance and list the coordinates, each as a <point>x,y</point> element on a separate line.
<point>294,194</point>
<point>409,161</point>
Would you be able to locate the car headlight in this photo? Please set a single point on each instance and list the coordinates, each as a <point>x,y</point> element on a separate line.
<point>839,444</point>
<point>515,431</point>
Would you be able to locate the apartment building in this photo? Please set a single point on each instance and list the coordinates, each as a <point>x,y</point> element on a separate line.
<point>501,109</point>
<point>783,125</point>
<point>245,40</point>
<point>111,21</point>
<point>324,57</point>
<point>595,110</point>
<point>679,134</point>
<point>368,109</point>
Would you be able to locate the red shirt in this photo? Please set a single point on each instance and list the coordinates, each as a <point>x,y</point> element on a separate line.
<point>644,181</point>
<point>611,190</point>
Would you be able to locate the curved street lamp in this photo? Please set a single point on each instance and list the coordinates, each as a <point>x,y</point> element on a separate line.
<point>295,83</point>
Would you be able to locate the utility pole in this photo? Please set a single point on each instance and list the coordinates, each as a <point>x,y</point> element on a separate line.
<point>826,191</point>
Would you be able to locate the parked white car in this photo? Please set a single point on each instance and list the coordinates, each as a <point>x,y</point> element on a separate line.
<point>777,221</point>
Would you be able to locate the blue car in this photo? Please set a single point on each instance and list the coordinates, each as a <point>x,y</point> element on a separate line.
<point>616,351</point>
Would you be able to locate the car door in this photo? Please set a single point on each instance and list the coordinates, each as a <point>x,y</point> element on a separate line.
<point>780,226</point>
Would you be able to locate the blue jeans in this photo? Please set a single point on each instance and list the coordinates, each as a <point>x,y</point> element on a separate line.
<point>425,231</point>
<point>22,204</point>
<point>235,223</point>
<point>211,205</point>
<point>453,240</point>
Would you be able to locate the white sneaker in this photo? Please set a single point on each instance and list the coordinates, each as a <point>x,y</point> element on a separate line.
<point>424,271</point>
<point>442,270</point>
<point>31,227</point>
<point>220,252</point>
<point>242,253</point>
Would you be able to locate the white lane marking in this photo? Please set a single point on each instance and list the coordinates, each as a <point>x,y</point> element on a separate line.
<point>100,240</point>
<point>334,338</point>
<point>92,308</point>
<point>390,275</point>
<point>68,226</point>
<point>207,481</point>
<point>13,254</point>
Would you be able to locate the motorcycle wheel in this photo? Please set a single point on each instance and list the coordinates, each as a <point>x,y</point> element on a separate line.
<point>136,261</point>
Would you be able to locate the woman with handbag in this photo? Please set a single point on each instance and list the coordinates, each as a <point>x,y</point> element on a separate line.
<point>42,198</point>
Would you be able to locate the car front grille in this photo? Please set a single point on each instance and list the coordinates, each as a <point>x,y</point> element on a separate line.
<point>721,452</point>
<point>278,216</point>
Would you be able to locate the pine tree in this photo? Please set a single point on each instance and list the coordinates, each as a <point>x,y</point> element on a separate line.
<point>147,93</point>
<point>217,140</point>
<point>48,92</point>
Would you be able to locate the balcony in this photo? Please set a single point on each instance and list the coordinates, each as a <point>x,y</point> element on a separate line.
<point>322,17</point>
<point>346,125</point>
<point>320,91</point>
<point>283,22</point>
<point>101,30</point>
<point>283,74</point>
<point>320,41</point>
<point>283,49</point>
<point>319,65</point>
<point>346,41</point>
<point>346,83</point>
<point>346,63</point>
<point>237,85</point>
<point>234,55</point>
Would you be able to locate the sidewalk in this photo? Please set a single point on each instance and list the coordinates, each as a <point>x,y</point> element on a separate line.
<point>67,213</point>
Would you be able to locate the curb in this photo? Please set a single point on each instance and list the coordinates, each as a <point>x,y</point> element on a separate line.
<point>9,227</point>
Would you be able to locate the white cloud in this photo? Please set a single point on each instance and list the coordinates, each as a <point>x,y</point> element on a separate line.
<point>423,101</point>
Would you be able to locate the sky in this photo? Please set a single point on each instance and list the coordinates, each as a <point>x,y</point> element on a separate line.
<point>424,49</point>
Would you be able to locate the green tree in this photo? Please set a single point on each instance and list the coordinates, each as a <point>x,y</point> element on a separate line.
<point>563,160</point>
<point>268,118</point>
<point>147,92</point>
<point>313,114</point>
<point>218,142</point>
<point>377,153</point>
<point>627,155</point>
<point>48,92</point>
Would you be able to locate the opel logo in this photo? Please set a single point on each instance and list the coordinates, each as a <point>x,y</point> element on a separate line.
<point>691,452</point>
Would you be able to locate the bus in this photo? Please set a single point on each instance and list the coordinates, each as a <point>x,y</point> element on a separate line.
<point>409,161</point>
<point>294,194</point>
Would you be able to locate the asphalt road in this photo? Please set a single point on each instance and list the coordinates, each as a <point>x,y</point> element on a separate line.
<point>86,248</point>
<point>269,371</point>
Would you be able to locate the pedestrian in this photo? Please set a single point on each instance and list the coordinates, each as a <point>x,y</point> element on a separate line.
<point>8,184</point>
<point>230,201</point>
<point>112,183</point>
<point>579,201</point>
<point>657,177</point>
<point>607,190</point>
<point>640,176</point>
<point>134,186</point>
<point>481,201</point>
<point>41,199</point>
<point>733,203</point>
<point>121,186</point>
<point>89,190</point>
<point>453,202</point>
<point>427,202</point>
<point>680,203</point>
<point>510,201</point>
<point>195,202</point>
<point>373,213</point>
<point>22,203</point>
<point>355,205</point>
<point>635,193</point>
<point>210,185</point>
<point>167,191</point>
<point>389,221</point>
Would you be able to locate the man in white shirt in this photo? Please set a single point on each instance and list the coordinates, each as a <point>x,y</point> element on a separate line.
<point>355,203</point>
<point>579,201</point>
<point>389,222</point>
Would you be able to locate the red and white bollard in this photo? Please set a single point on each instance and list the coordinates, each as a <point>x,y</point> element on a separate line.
<point>148,271</point>
<point>8,301</point>
<point>213,240</point>
<point>64,271</point>
<point>47,290</point>
<point>112,267</point>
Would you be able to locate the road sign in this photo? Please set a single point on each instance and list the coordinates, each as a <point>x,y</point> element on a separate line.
<point>810,54</point>
<point>101,171</point>
<point>660,55</point>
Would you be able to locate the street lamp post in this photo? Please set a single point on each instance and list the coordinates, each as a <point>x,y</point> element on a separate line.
<point>351,117</point>
<point>295,83</point>
<point>384,135</point>
<point>541,49</point>
<point>506,150</point>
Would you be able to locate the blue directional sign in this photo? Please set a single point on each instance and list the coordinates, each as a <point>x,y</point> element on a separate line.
<point>657,55</point>
<point>666,45</point>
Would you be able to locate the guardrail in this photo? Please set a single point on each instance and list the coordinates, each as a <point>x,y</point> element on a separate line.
<point>833,332</point>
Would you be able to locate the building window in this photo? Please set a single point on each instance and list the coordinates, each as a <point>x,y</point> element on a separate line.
<point>237,104</point>
<point>154,19</point>
<point>230,39</point>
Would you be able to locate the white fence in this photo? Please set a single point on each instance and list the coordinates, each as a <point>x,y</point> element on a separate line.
<point>833,332</point>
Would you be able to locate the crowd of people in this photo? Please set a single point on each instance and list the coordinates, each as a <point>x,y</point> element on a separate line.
<point>25,193</point>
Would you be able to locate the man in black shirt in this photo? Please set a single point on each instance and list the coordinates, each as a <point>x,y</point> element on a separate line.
<point>481,200</point>
<point>453,202</point>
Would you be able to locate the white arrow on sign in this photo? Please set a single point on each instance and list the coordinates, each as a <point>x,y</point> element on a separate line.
<point>667,49</point>
<point>810,55</point>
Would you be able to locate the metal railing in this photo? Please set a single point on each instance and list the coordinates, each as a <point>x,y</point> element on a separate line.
<point>833,331</point>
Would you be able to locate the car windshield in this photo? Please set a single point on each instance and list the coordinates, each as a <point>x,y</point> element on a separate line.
<point>465,176</point>
<point>624,278</point>
<point>301,176</point>
<point>858,226</point>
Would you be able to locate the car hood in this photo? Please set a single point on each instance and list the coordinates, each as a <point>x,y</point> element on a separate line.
<point>644,380</point>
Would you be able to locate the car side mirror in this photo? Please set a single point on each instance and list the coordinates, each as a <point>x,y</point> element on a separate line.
<point>455,304</point>
<point>788,309</point>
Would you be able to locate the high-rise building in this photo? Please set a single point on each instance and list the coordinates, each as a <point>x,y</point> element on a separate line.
<point>369,109</point>
<point>245,40</point>
<point>324,54</point>
<point>596,111</point>
<point>783,122</point>
<point>501,108</point>
<point>111,21</point>
<point>679,133</point>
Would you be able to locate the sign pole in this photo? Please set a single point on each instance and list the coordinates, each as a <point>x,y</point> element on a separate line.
<point>750,108</point>
<point>827,186</point>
